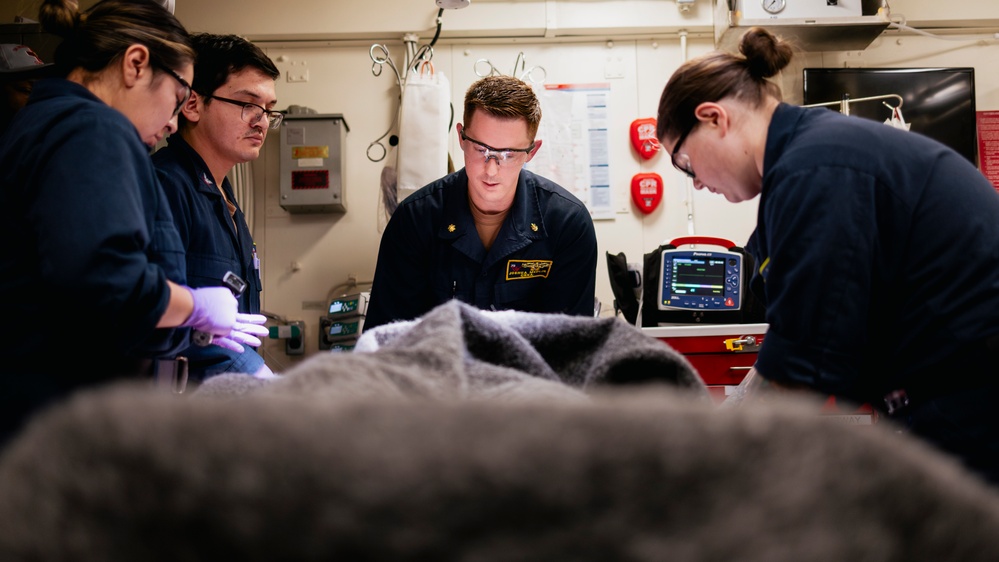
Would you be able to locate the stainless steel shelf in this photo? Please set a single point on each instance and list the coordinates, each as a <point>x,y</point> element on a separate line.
<point>817,34</point>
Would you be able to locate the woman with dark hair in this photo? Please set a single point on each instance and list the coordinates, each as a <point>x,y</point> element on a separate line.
<point>93,275</point>
<point>878,249</point>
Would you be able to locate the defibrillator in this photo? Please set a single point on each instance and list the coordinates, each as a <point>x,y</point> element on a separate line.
<point>690,285</point>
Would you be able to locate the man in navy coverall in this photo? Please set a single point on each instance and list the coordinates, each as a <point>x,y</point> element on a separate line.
<point>491,234</point>
<point>223,124</point>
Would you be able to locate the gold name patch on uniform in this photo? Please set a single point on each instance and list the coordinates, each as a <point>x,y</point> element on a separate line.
<point>527,269</point>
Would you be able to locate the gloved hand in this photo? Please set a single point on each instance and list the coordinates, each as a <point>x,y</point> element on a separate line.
<point>214,311</point>
<point>247,330</point>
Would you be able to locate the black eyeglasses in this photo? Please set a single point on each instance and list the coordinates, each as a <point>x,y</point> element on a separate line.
<point>252,113</point>
<point>183,83</point>
<point>503,156</point>
<point>680,160</point>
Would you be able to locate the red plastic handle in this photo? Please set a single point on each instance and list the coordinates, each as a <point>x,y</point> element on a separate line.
<point>701,240</point>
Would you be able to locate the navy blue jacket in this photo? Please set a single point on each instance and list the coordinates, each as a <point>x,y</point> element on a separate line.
<point>90,246</point>
<point>879,250</point>
<point>544,258</point>
<point>213,246</point>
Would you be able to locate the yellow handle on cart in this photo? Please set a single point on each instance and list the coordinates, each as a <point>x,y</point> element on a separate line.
<point>735,344</point>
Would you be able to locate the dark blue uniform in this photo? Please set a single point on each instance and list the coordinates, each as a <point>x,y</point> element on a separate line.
<point>544,258</point>
<point>90,244</point>
<point>215,242</point>
<point>879,251</point>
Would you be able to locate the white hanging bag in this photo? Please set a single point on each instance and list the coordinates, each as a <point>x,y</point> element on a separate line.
<point>424,118</point>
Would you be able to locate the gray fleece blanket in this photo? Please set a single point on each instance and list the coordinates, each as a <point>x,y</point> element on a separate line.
<point>126,474</point>
<point>449,440</point>
<point>456,351</point>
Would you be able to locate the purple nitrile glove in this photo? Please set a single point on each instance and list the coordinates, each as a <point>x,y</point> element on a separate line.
<point>247,330</point>
<point>214,311</point>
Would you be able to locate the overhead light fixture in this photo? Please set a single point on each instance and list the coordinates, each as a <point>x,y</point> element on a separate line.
<point>452,4</point>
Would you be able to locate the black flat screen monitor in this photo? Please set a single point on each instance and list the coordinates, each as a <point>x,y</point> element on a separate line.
<point>937,102</point>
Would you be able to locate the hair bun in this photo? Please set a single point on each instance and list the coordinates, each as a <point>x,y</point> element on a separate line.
<point>766,54</point>
<point>60,17</point>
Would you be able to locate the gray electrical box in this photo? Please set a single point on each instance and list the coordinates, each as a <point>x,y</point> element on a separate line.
<point>312,161</point>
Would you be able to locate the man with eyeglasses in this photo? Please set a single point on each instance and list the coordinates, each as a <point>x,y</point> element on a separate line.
<point>490,234</point>
<point>223,123</point>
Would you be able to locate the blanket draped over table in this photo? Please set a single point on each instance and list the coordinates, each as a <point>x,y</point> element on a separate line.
<point>458,351</point>
<point>478,437</point>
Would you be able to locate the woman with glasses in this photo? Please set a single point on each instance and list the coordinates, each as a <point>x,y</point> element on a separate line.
<point>223,124</point>
<point>878,249</point>
<point>492,234</point>
<point>93,271</point>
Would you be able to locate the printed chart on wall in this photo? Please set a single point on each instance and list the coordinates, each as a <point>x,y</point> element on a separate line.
<point>988,145</point>
<point>574,151</point>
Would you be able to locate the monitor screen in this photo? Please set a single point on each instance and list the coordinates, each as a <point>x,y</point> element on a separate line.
<point>694,275</point>
<point>696,280</point>
<point>937,102</point>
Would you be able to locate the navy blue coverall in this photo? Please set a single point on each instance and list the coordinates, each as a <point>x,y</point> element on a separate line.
<point>879,253</point>
<point>215,242</point>
<point>90,246</point>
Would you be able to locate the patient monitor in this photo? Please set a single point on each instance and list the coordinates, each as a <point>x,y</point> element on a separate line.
<point>686,283</point>
<point>700,280</point>
<point>342,325</point>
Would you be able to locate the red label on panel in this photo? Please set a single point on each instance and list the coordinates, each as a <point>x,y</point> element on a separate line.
<point>310,179</point>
